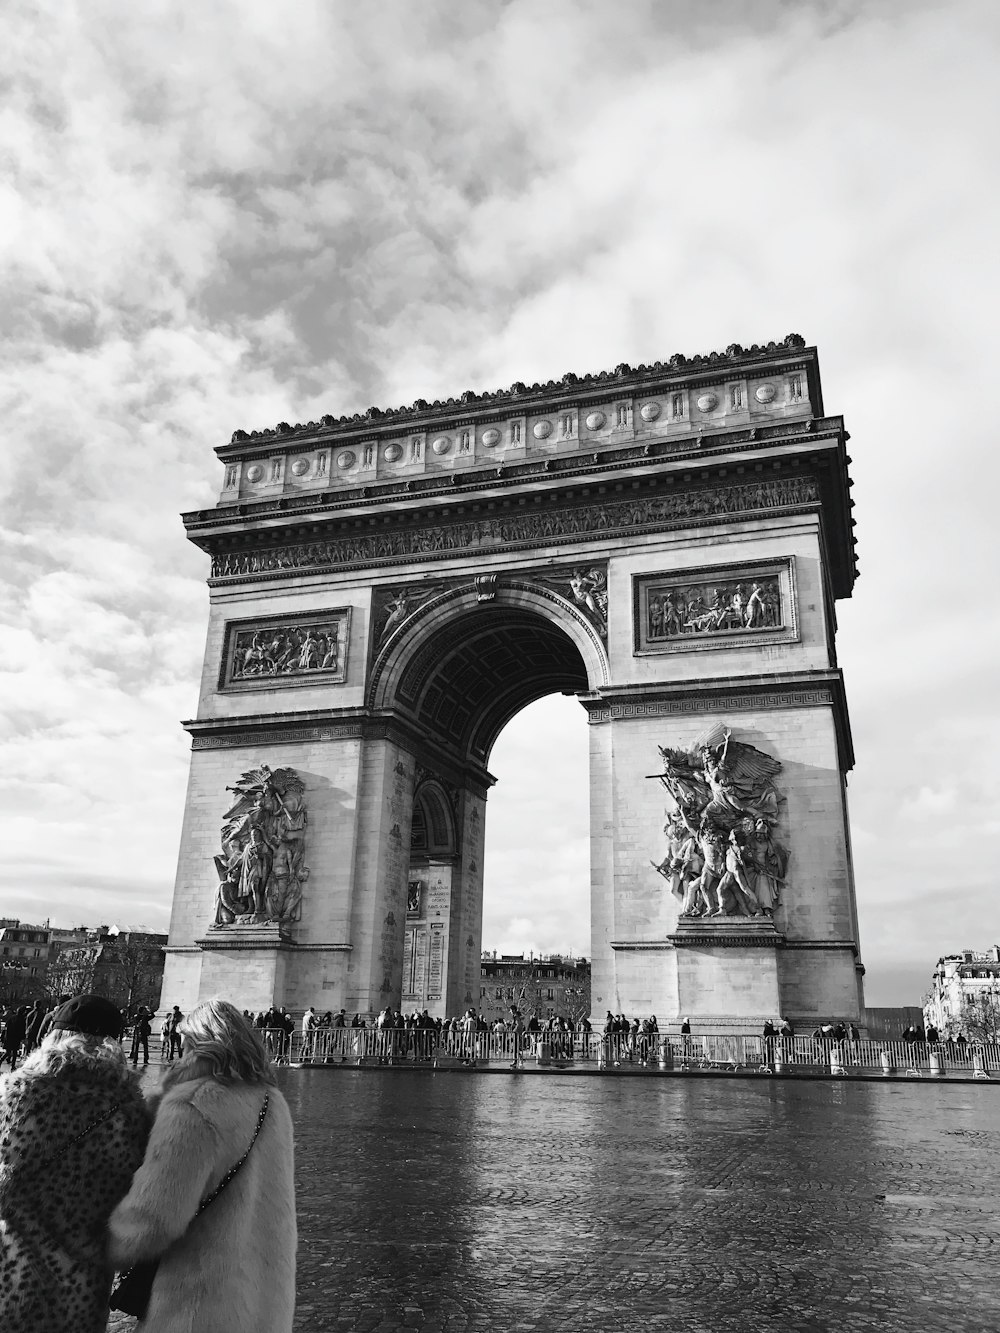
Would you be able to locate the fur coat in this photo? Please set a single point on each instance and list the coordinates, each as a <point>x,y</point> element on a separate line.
<point>231,1269</point>
<point>55,1204</point>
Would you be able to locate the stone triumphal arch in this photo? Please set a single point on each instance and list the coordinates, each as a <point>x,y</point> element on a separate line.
<point>666,544</point>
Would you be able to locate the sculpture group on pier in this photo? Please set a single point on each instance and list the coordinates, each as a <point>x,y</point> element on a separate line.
<point>723,858</point>
<point>263,835</point>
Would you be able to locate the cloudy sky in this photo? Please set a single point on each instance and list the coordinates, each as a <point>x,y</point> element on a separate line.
<point>231,214</point>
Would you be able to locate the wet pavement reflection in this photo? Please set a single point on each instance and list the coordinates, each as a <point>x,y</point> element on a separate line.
<point>456,1201</point>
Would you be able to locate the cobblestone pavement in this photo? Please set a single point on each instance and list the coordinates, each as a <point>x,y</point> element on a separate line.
<point>456,1202</point>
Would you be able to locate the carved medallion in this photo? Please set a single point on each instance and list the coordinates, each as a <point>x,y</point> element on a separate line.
<point>300,467</point>
<point>255,472</point>
<point>596,420</point>
<point>346,459</point>
<point>649,411</point>
<point>393,453</point>
<point>765,393</point>
<point>542,430</point>
<point>708,402</point>
<point>491,437</point>
<point>723,857</point>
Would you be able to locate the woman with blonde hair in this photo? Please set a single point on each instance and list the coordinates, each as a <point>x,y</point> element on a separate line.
<point>73,1126</point>
<point>214,1203</point>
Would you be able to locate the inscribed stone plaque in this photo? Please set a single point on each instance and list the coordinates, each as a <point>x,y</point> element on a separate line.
<point>435,980</point>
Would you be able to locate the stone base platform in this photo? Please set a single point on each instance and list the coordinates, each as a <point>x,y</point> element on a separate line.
<point>726,932</point>
<point>245,961</point>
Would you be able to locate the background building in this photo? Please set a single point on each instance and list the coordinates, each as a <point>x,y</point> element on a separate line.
<point>889,1024</point>
<point>965,995</point>
<point>24,960</point>
<point>550,985</point>
<point>126,966</point>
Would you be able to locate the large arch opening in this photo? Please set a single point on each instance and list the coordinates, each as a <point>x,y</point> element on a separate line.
<point>459,674</point>
<point>537,875</point>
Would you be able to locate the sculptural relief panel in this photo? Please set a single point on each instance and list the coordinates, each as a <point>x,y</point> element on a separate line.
<point>724,855</point>
<point>260,868</point>
<point>693,609</point>
<point>286,650</point>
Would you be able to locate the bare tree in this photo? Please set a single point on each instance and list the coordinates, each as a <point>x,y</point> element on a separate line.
<point>18,986</point>
<point>576,1002</point>
<point>124,967</point>
<point>72,971</point>
<point>133,971</point>
<point>981,1018</point>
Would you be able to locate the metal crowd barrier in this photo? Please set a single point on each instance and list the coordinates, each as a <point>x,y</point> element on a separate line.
<point>702,1051</point>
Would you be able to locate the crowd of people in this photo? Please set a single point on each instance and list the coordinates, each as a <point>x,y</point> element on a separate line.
<point>187,1194</point>
<point>391,1033</point>
<point>24,1027</point>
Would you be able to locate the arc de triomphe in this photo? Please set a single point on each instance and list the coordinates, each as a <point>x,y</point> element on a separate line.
<point>667,544</point>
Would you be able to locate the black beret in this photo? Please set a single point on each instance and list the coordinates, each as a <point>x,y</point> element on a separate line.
<point>91,1014</point>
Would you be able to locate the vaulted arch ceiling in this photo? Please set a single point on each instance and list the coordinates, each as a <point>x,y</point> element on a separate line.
<point>464,683</point>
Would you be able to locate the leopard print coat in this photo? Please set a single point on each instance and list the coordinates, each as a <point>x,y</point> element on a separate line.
<point>54,1204</point>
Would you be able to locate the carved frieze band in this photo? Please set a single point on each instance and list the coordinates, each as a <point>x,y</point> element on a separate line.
<point>716,941</point>
<point>251,737</point>
<point>711,704</point>
<point>567,524</point>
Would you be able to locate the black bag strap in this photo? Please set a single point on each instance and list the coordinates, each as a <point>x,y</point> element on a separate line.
<point>211,1198</point>
<point>48,1161</point>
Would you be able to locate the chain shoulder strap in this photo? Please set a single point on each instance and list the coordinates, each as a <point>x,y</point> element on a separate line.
<point>211,1198</point>
<point>48,1161</point>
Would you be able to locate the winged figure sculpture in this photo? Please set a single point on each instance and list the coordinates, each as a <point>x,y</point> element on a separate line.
<point>260,869</point>
<point>722,850</point>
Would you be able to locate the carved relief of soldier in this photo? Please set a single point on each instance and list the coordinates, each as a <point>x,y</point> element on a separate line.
<point>714,608</point>
<point>723,858</point>
<point>263,833</point>
<point>286,650</point>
